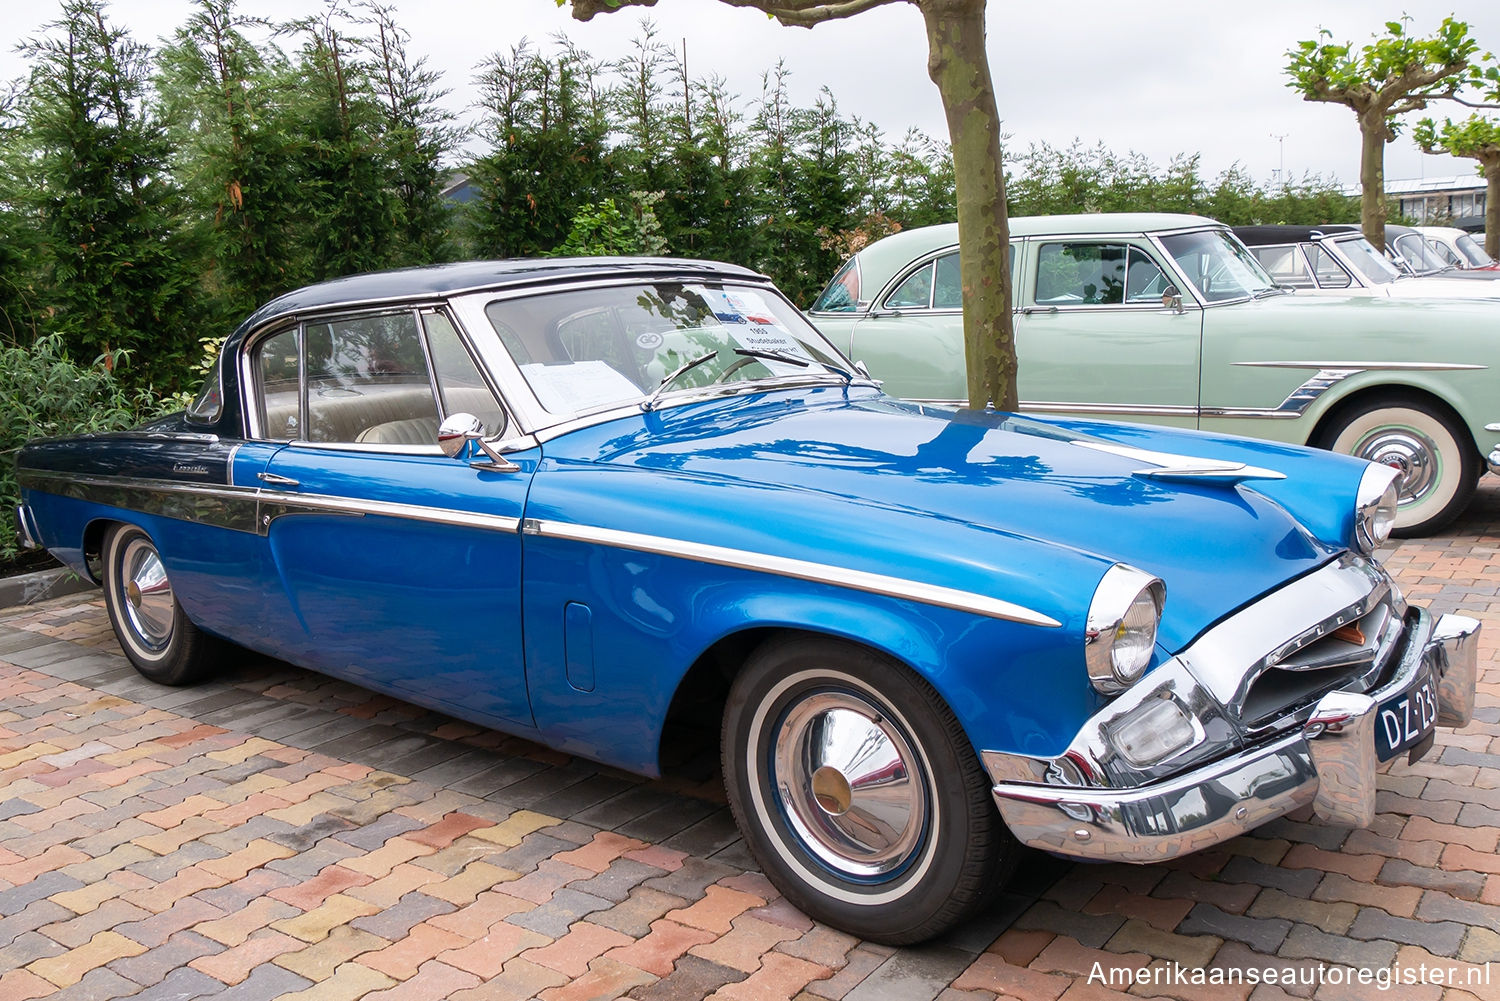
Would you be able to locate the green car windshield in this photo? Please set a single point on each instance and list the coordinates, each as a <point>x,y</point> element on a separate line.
<point>1219,266</point>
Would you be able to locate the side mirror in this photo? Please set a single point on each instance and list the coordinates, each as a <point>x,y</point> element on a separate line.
<point>457,431</point>
<point>1171,298</point>
<point>454,435</point>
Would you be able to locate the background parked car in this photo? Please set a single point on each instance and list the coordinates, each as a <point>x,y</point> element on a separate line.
<point>1412,384</point>
<point>1339,261</point>
<point>1416,254</point>
<point>1462,249</point>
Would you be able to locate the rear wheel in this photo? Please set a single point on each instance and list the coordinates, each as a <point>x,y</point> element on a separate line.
<point>858,792</point>
<point>154,633</point>
<point>1439,468</point>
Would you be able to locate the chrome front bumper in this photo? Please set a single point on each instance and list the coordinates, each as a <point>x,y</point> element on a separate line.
<point>1329,763</point>
<point>1494,462</point>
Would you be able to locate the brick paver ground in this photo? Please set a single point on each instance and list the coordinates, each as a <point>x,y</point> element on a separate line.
<point>278,834</point>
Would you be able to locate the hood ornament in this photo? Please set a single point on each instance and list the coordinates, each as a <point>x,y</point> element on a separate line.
<point>1171,466</point>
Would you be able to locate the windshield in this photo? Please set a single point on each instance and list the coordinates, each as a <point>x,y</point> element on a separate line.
<point>586,349</point>
<point>1218,265</point>
<point>842,293</point>
<point>1419,255</point>
<point>1470,248</point>
<point>1368,261</point>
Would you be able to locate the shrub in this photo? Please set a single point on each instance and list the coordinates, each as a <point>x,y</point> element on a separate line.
<point>43,393</point>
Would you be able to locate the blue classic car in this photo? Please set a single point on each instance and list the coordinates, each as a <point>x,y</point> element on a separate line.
<point>587,501</point>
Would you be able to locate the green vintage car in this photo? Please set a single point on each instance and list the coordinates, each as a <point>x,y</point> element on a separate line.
<point>1168,319</point>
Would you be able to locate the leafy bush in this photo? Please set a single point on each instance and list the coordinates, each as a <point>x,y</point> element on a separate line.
<point>43,393</point>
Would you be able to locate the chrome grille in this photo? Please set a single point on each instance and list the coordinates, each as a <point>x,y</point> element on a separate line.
<point>1348,651</point>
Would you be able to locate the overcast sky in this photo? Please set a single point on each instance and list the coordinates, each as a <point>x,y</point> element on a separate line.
<point>1168,77</point>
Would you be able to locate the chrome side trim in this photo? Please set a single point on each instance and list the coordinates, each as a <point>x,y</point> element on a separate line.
<point>232,508</point>
<point>1492,427</point>
<point>1493,461</point>
<point>820,573</point>
<point>1367,366</point>
<point>275,504</point>
<point>1144,410</point>
<point>241,509</point>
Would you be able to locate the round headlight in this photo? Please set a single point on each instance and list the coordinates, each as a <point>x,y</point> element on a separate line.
<point>1121,629</point>
<point>1375,507</point>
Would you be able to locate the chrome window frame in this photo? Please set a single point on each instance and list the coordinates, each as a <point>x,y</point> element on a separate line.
<point>1189,288</point>
<point>1143,242</point>
<point>1334,253</point>
<point>1300,251</point>
<point>880,303</point>
<point>534,422</point>
<point>253,402</point>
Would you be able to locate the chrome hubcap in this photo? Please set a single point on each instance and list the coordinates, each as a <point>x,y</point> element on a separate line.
<point>148,595</point>
<point>1409,452</point>
<point>850,786</point>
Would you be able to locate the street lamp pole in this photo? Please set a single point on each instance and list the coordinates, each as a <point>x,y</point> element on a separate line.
<point>1281,145</point>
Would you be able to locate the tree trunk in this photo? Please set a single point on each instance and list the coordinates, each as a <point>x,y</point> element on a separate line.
<point>957,63</point>
<point>1372,132</point>
<point>1491,165</point>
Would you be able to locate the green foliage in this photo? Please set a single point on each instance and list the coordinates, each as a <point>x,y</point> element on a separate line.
<point>603,229</point>
<point>119,267</point>
<point>1046,181</point>
<point>1394,73</point>
<point>1475,138</point>
<point>43,393</point>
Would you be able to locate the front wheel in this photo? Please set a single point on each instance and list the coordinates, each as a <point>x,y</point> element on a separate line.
<point>858,792</point>
<point>1439,468</point>
<point>153,631</point>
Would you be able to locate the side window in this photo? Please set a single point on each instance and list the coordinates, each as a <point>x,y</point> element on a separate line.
<point>1080,274</point>
<point>462,388</point>
<point>947,288</point>
<point>1144,281</point>
<point>1329,272</point>
<point>367,381</point>
<point>1445,253</point>
<point>277,363</point>
<point>1284,264</point>
<point>915,292</point>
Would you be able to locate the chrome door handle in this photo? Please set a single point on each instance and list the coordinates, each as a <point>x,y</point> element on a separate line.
<point>271,479</point>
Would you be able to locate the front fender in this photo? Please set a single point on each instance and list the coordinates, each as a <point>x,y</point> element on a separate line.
<point>642,620</point>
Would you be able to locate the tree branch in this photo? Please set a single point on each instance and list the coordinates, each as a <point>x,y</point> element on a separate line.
<point>1471,104</point>
<point>796,13</point>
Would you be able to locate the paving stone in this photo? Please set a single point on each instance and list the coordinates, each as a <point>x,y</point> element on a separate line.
<point>634,915</point>
<point>153,965</point>
<point>558,914</point>
<point>182,984</point>
<point>691,881</point>
<point>97,985</point>
<point>394,922</point>
<point>692,977</point>
<point>18,899</point>
<point>372,836</point>
<point>912,974</point>
<point>1249,871</point>
<point>1398,872</point>
<point>1092,930</point>
<point>616,882</point>
<point>31,917</point>
<point>1441,938</point>
<point>1306,942</point>
<point>28,947</point>
<point>265,983</point>
<point>1261,934</point>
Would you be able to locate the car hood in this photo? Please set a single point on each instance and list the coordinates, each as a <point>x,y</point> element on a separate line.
<point>1442,287</point>
<point>992,503</point>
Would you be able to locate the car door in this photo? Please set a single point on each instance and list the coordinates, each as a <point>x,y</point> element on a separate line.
<point>1093,336</point>
<point>402,566</point>
<point>912,338</point>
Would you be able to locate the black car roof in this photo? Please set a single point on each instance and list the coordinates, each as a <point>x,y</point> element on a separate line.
<point>473,276</point>
<point>1261,236</point>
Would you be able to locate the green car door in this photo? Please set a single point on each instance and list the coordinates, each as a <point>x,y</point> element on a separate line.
<point>1094,337</point>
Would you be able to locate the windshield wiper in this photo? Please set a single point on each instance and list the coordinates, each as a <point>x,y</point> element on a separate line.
<point>1273,290</point>
<point>671,377</point>
<point>792,359</point>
